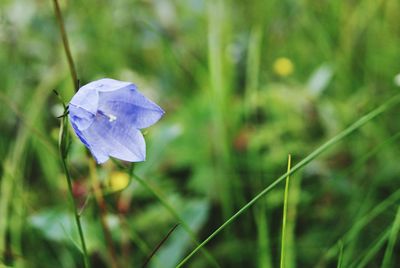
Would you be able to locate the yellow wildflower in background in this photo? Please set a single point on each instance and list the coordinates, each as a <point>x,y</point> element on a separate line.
<point>283,66</point>
<point>118,181</point>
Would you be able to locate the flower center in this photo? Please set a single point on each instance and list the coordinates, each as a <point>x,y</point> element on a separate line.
<point>111,117</point>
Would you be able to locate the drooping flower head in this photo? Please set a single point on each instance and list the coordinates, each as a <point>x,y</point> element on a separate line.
<point>107,116</point>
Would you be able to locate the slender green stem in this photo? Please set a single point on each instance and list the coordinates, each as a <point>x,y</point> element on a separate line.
<point>64,38</point>
<point>63,154</point>
<point>285,208</point>
<point>63,132</point>
<point>77,216</point>
<point>356,125</point>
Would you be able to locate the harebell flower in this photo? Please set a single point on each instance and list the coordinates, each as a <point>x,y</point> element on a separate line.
<point>107,116</point>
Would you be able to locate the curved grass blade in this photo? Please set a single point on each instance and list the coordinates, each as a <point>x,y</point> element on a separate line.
<point>392,240</point>
<point>356,125</point>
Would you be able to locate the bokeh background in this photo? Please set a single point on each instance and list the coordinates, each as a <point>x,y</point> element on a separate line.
<point>243,84</point>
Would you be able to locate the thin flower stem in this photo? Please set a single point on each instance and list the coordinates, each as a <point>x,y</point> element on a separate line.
<point>63,148</point>
<point>340,136</point>
<point>77,216</point>
<point>285,208</point>
<point>63,132</point>
<point>64,37</point>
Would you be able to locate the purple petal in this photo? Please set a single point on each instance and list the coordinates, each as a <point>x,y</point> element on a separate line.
<point>121,141</point>
<point>86,98</point>
<point>107,85</point>
<point>96,151</point>
<point>129,106</point>
<point>80,117</point>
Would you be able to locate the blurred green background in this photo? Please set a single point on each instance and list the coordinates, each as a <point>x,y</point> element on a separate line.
<point>243,84</point>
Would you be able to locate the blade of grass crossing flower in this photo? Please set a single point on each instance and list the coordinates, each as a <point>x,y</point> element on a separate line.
<point>394,232</point>
<point>285,208</point>
<point>356,125</point>
<point>171,210</point>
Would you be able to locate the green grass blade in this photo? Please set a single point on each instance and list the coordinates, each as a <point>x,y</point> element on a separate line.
<point>220,77</point>
<point>340,258</point>
<point>372,250</point>
<point>392,240</point>
<point>356,125</point>
<point>351,234</point>
<point>285,208</point>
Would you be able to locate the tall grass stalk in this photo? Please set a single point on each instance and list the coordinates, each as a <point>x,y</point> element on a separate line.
<point>219,95</point>
<point>285,209</point>
<point>356,125</point>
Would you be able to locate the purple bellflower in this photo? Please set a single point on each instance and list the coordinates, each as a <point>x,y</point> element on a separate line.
<point>107,116</point>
